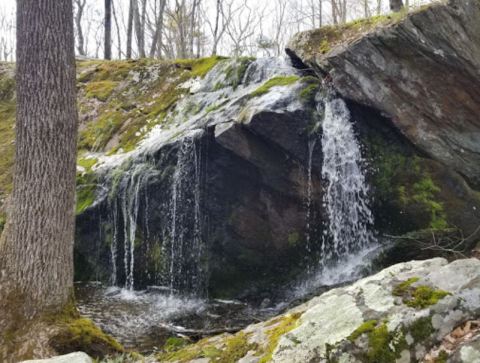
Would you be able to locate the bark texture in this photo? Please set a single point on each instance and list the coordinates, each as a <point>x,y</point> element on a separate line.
<point>396,5</point>
<point>36,249</point>
<point>108,29</point>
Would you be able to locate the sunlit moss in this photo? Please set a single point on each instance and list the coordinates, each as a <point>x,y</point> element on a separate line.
<point>100,90</point>
<point>229,350</point>
<point>81,334</point>
<point>366,327</point>
<point>384,346</point>
<point>274,82</point>
<point>199,67</point>
<point>287,323</point>
<point>418,297</point>
<point>402,288</point>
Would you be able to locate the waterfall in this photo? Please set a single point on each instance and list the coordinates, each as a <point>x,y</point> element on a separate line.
<point>308,202</point>
<point>186,268</point>
<point>186,228</point>
<point>125,207</point>
<point>346,195</point>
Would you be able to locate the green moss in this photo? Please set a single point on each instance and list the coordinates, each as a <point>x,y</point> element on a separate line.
<point>366,327</point>
<point>425,192</point>
<point>286,324</point>
<point>308,93</point>
<point>232,349</point>
<point>235,72</point>
<point>82,335</point>
<point>100,131</point>
<point>85,197</point>
<point>7,149</point>
<point>404,188</point>
<point>421,329</point>
<point>95,71</point>
<point>424,296</point>
<point>101,90</point>
<point>442,357</point>
<point>199,67</point>
<point>402,288</point>
<point>293,239</point>
<point>174,343</point>
<point>384,346</point>
<point>236,347</point>
<point>274,82</point>
<point>418,297</point>
<point>87,163</point>
<point>7,88</point>
<point>326,38</point>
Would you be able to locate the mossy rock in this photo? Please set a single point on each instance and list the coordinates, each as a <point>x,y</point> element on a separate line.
<point>82,335</point>
<point>418,297</point>
<point>274,82</point>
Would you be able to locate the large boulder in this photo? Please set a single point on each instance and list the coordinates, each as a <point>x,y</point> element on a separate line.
<point>77,357</point>
<point>401,314</point>
<point>420,70</point>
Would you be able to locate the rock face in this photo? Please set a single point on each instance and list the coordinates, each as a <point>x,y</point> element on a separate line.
<point>422,72</point>
<point>216,193</point>
<point>398,315</point>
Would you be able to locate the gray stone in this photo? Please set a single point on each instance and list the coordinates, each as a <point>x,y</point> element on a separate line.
<point>77,357</point>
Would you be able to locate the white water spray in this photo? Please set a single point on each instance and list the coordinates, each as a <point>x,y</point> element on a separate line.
<point>346,196</point>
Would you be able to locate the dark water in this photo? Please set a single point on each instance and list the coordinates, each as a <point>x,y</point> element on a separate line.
<point>145,319</point>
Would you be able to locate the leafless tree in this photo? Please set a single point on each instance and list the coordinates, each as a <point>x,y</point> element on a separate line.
<point>131,10</point>
<point>79,7</point>
<point>108,30</point>
<point>157,29</point>
<point>396,5</point>
<point>241,28</point>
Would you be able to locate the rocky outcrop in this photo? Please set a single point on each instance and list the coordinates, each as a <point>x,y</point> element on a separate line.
<point>422,71</point>
<point>401,314</point>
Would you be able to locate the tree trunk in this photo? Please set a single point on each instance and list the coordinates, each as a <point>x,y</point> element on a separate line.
<point>108,29</point>
<point>36,249</point>
<point>396,5</point>
<point>78,24</point>
<point>157,36</point>
<point>130,29</point>
<point>139,21</point>
<point>119,37</point>
<point>215,31</point>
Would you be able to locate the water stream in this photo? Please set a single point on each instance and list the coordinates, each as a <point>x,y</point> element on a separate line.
<point>346,200</point>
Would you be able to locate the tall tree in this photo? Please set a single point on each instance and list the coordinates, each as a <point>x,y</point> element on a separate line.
<point>36,247</point>
<point>396,5</point>
<point>139,16</point>
<point>108,29</point>
<point>131,6</point>
<point>79,9</point>
<point>157,39</point>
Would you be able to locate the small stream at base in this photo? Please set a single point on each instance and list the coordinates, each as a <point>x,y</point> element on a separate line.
<point>144,320</point>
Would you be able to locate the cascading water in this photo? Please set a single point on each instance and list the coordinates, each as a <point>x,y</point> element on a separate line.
<point>128,201</point>
<point>345,200</point>
<point>186,265</point>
